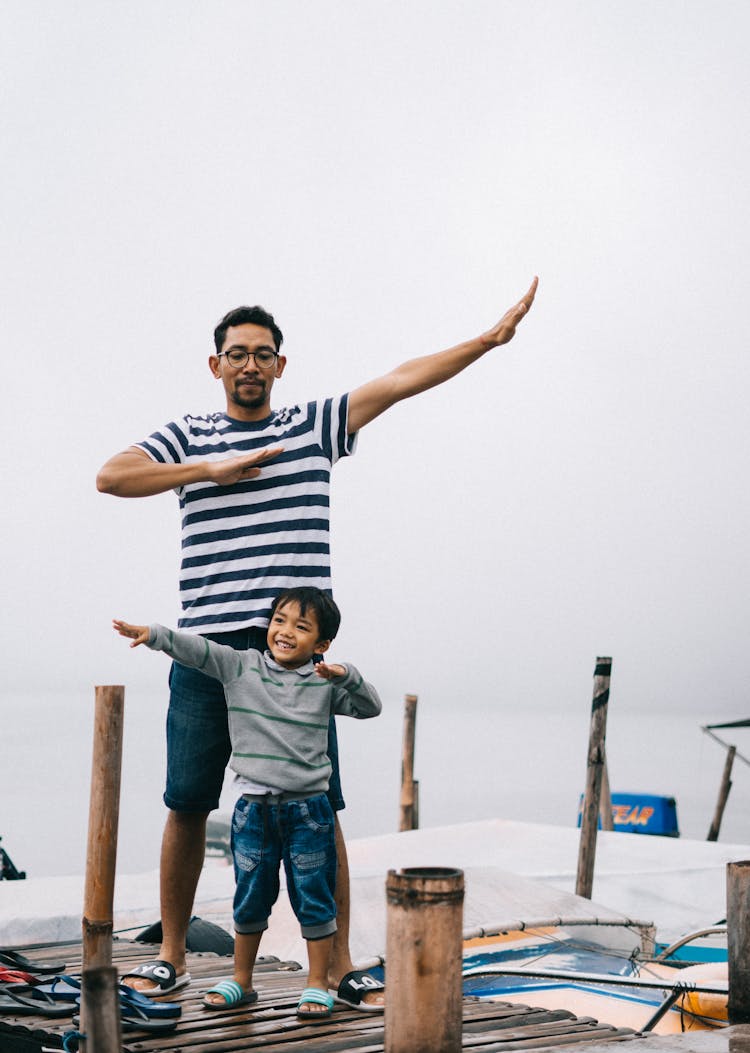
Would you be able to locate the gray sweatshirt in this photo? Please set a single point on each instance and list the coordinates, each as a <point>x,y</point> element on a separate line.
<point>278,718</point>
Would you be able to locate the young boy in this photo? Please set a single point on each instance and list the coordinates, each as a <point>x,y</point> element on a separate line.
<point>279,706</point>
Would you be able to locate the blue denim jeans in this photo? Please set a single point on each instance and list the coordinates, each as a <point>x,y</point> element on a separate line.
<point>269,830</point>
<point>198,746</point>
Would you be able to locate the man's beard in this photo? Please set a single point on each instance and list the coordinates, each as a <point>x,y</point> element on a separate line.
<point>250,397</point>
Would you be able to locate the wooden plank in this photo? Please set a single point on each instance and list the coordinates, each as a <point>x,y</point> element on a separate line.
<point>271,1026</point>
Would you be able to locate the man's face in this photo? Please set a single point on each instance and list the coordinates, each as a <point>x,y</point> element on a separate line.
<point>247,387</point>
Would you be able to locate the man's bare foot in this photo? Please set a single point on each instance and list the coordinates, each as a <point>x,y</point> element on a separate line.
<point>358,989</point>
<point>157,978</point>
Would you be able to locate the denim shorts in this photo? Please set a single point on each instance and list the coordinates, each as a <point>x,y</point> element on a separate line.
<point>198,746</point>
<point>267,831</point>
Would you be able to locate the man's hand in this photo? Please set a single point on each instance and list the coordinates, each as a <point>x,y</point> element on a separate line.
<point>506,328</point>
<point>132,473</point>
<point>420,374</point>
<point>238,469</point>
<point>328,672</point>
<point>137,633</point>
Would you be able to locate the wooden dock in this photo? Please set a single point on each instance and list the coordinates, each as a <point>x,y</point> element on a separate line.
<point>271,1025</point>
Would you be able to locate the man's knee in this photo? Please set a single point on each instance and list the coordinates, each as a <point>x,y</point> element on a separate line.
<point>188,825</point>
<point>187,818</point>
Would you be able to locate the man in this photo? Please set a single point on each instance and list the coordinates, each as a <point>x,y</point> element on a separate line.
<point>253,487</point>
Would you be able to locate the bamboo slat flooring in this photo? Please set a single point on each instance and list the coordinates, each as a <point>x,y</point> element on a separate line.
<point>271,1025</point>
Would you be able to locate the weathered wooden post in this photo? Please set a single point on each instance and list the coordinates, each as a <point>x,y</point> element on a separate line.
<point>605,804</point>
<point>102,1018</point>
<point>409,788</point>
<point>738,941</point>
<point>721,803</point>
<point>594,767</point>
<point>423,960</point>
<point>100,1009</point>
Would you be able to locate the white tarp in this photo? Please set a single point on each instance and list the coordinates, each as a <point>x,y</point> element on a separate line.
<point>676,883</point>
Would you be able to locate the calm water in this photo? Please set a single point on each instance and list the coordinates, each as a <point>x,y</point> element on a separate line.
<point>471,764</point>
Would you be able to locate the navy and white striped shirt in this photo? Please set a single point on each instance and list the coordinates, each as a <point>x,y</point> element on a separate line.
<point>243,544</point>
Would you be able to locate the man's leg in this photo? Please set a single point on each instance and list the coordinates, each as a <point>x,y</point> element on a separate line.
<point>197,753</point>
<point>341,960</point>
<point>183,848</point>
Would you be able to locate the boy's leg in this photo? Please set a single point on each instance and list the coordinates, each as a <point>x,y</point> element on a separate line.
<point>309,854</point>
<point>318,957</point>
<point>245,952</point>
<point>257,858</point>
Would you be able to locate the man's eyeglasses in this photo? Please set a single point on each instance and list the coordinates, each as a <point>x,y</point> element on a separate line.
<point>264,357</point>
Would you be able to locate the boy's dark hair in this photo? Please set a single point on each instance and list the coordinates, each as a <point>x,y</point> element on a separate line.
<point>244,316</point>
<point>326,611</point>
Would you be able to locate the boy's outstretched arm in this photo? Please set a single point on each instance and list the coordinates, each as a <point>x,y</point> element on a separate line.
<point>420,374</point>
<point>353,696</point>
<point>216,660</point>
<point>328,672</point>
<point>139,634</point>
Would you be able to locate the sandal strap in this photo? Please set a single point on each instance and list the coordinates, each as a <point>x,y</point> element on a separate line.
<point>228,989</point>
<point>317,997</point>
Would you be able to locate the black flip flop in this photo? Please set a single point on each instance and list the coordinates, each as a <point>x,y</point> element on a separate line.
<point>24,1000</point>
<point>15,960</point>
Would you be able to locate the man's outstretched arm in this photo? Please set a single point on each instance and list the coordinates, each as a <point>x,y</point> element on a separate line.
<point>419,374</point>
<point>132,473</point>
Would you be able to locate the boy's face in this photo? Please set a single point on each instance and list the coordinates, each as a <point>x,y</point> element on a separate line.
<point>293,638</point>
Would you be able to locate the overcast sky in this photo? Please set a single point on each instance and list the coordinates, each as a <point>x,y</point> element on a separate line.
<point>387,178</point>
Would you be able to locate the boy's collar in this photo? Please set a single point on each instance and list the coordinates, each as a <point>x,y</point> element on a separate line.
<point>303,670</point>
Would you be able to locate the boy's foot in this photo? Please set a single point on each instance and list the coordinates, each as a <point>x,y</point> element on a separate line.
<point>359,990</point>
<point>314,1003</point>
<point>156,978</point>
<point>228,994</point>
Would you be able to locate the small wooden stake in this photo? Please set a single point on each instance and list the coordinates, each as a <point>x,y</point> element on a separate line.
<point>409,817</point>
<point>423,960</point>
<point>738,941</point>
<point>721,803</point>
<point>102,1030</point>
<point>594,768</point>
<point>99,1000</point>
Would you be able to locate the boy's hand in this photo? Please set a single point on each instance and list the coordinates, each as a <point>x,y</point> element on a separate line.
<point>328,672</point>
<point>137,633</point>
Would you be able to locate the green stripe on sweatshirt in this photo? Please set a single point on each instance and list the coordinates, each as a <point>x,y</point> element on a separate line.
<point>281,720</point>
